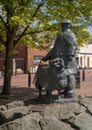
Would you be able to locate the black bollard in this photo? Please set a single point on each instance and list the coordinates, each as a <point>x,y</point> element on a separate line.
<point>29,79</point>
<point>83,76</point>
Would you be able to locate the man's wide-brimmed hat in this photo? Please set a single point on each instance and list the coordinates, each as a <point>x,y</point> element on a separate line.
<point>66,21</point>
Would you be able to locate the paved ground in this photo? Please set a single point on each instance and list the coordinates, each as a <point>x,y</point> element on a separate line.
<point>21,91</point>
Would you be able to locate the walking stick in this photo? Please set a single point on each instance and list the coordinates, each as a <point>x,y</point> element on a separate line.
<point>37,71</point>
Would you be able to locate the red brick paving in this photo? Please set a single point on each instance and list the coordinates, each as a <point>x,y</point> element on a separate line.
<point>21,81</point>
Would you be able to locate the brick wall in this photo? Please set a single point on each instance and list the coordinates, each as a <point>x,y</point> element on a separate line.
<point>84,78</point>
<point>87,75</point>
<point>30,56</point>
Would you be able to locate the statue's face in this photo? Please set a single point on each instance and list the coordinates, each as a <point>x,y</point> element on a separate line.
<point>66,26</point>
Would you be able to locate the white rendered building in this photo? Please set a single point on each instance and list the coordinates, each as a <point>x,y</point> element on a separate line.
<point>85,56</point>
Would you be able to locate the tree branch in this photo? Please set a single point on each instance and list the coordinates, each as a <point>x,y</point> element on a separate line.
<point>1,40</point>
<point>21,35</point>
<point>44,48</point>
<point>3,21</point>
<point>38,7</point>
<point>38,31</point>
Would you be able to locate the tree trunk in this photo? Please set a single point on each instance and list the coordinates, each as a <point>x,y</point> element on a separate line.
<point>8,71</point>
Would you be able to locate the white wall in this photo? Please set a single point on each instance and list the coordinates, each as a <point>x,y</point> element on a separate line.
<point>85,56</point>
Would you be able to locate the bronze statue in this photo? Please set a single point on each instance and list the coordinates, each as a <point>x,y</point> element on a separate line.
<point>52,76</point>
<point>65,48</point>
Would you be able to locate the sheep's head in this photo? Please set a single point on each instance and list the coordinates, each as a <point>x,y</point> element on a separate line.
<point>57,63</point>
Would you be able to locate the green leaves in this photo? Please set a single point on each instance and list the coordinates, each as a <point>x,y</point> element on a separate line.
<point>38,21</point>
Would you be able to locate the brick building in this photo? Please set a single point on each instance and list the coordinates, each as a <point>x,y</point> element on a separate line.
<point>25,59</point>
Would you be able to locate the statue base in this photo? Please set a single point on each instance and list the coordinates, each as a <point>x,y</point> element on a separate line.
<point>64,99</point>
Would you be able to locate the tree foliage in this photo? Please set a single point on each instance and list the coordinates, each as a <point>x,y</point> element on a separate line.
<point>34,17</point>
<point>37,22</point>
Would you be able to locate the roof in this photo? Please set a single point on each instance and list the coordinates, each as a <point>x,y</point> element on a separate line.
<point>86,49</point>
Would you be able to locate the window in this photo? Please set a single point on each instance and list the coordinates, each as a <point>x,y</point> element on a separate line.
<point>37,59</point>
<point>88,61</point>
<point>81,61</point>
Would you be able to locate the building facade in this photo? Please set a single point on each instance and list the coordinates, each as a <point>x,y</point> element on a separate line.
<point>27,59</point>
<point>85,56</point>
<point>24,60</point>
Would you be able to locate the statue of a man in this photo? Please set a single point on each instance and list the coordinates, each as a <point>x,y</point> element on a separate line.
<point>65,47</point>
